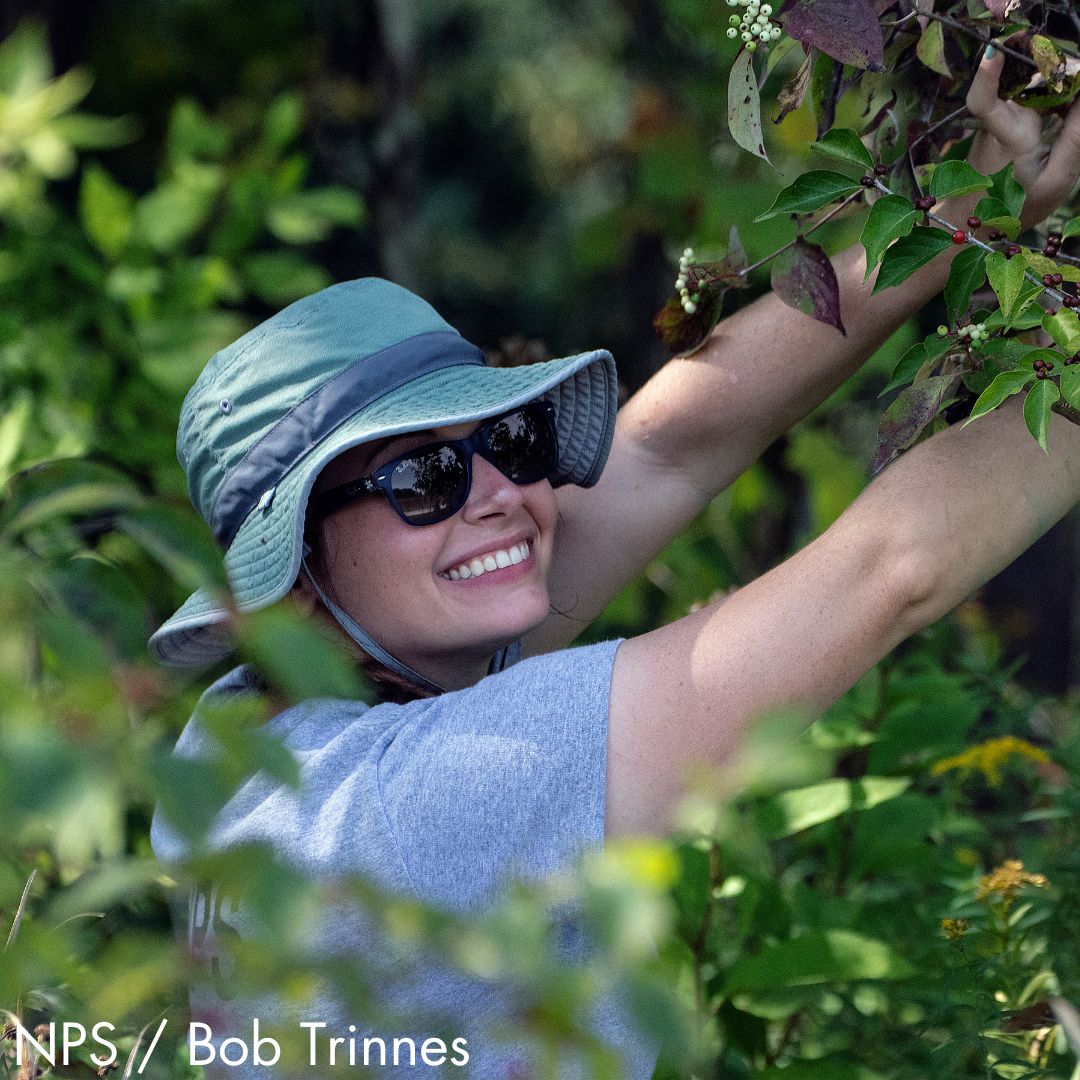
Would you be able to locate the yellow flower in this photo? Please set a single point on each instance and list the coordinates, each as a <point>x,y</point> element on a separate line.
<point>1007,879</point>
<point>988,757</point>
<point>954,929</point>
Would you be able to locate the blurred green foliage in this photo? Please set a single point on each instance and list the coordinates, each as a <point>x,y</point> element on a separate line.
<point>799,910</point>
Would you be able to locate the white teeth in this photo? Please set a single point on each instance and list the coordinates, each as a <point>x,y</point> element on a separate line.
<point>494,560</point>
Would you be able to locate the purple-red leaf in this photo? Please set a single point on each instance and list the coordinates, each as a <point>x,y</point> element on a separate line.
<point>846,30</point>
<point>908,416</point>
<point>804,279</point>
<point>1001,9</point>
<point>683,333</point>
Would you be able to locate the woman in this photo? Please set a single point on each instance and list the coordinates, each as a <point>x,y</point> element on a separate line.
<point>356,453</point>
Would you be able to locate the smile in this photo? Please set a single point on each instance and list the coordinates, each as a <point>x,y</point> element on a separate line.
<point>498,559</point>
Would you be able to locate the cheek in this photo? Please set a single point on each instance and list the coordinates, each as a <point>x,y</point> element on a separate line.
<point>372,554</point>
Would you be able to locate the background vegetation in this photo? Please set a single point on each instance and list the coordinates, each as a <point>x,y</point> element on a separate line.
<point>170,174</point>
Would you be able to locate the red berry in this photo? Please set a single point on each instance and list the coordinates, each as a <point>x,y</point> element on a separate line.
<point>974,222</point>
<point>959,237</point>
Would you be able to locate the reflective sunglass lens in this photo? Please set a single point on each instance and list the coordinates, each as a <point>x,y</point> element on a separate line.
<point>523,445</point>
<point>430,486</point>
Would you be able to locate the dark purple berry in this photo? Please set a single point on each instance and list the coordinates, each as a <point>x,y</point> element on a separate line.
<point>995,235</point>
<point>1011,250</point>
<point>1058,279</point>
<point>974,222</point>
<point>880,170</point>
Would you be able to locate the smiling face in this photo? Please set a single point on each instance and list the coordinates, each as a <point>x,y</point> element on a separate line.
<point>445,597</point>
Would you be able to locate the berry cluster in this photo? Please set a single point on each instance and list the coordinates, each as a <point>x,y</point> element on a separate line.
<point>975,332</point>
<point>925,202</point>
<point>753,24</point>
<point>1053,244</point>
<point>1043,369</point>
<point>1052,281</point>
<point>688,299</point>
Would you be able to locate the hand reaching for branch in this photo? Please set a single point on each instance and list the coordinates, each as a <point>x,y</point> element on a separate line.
<point>1012,132</point>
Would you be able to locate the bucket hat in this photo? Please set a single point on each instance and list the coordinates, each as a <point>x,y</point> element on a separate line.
<point>359,361</point>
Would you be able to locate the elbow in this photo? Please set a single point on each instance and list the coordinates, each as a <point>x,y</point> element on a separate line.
<point>913,583</point>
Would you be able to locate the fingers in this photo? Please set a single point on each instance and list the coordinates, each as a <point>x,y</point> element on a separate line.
<point>1062,168</point>
<point>982,95</point>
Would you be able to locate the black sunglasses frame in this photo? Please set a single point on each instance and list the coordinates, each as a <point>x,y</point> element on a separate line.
<point>329,501</point>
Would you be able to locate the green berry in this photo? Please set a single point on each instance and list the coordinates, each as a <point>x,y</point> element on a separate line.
<point>733,20</point>
<point>751,46</point>
<point>943,330</point>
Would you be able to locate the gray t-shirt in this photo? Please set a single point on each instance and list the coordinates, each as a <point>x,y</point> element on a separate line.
<point>444,799</point>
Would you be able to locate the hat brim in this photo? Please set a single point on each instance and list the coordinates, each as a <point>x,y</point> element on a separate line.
<point>263,560</point>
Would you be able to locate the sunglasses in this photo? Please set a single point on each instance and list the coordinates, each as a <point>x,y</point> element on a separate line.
<point>432,482</point>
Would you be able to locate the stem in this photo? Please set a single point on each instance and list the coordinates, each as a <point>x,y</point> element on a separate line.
<point>986,39</point>
<point>813,228</point>
<point>954,115</point>
<point>971,238</point>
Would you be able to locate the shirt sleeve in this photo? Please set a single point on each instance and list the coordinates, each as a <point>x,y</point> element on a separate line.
<point>503,779</point>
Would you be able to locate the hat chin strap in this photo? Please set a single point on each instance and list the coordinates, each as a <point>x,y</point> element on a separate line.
<point>374,649</point>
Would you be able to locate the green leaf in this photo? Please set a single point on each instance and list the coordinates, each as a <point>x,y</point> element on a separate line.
<point>1004,386</point>
<point>1064,328</point>
<point>306,217</point>
<point>1037,405</point>
<point>744,105</point>
<point>1071,229</point>
<point>994,214</point>
<point>817,957</point>
<point>810,192</point>
<point>956,178</point>
<point>845,144</point>
<point>918,356</point>
<point>931,49</point>
<point>967,273</point>
<point>1003,186</point>
<point>105,209</point>
<point>1007,280</point>
<point>890,218</point>
<point>1070,385</point>
<point>909,253</point>
<point>792,811</point>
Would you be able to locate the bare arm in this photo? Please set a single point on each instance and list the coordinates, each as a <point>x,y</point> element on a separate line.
<point>700,422</point>
<point>933,527</point>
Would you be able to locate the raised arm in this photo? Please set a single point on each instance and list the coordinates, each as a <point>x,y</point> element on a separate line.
<point>700,422</point>
<point>934,526</point>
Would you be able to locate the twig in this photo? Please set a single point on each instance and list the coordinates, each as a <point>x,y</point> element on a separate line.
<point>971,238</point>
<point>954,115</point>
<point>986,39</point>
<point>1063,408</point>
<point>813,228</point>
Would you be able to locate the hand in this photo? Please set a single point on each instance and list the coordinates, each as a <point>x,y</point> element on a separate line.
<point>1011,132</point>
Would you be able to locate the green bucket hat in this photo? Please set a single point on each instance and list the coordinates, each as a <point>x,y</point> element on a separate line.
<point>358,361</point>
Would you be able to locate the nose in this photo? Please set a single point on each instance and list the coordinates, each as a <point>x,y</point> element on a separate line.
<point>491,494</point>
